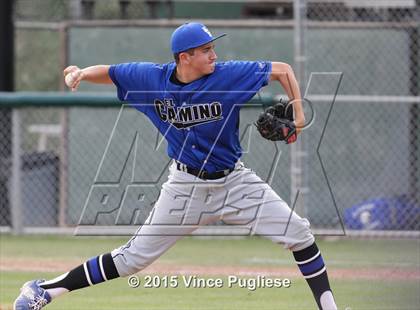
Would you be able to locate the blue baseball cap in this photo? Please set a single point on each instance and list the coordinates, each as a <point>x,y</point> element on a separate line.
<point>191,35</point>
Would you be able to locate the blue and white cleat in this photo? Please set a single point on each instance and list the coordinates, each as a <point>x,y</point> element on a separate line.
<point>32,296</point>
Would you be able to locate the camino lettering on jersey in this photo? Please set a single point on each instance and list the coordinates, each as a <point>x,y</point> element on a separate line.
<point>188,115</point>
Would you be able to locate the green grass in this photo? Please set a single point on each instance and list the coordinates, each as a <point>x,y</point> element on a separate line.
<point>117,294</point>
<point>249,251</point>
<point>355,294</point>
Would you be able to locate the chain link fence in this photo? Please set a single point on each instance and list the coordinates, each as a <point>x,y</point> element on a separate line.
<point>360,164</point>
<point>317,10</point>
<point>372,132</point>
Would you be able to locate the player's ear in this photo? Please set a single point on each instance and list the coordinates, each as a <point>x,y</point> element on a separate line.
<point>184,57</point>
<point>187,55</point>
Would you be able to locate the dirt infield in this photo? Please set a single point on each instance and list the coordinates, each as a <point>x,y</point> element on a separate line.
<point>173,269</point>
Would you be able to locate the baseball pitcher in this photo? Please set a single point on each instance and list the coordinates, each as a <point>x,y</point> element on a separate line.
<point>195,102</point>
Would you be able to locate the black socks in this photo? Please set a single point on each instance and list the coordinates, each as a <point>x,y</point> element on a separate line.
<point>312,266</point>
<point>96,270</point>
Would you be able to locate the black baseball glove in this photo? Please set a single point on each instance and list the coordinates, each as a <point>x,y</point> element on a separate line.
<point>277,123</point>
<point>282,109</point>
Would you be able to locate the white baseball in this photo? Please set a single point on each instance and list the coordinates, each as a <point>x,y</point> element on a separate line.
<point>69,79</point>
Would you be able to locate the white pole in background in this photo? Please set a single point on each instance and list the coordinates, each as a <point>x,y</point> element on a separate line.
<point>297,149</point>
<point>15,190</point>
<point>75,9</point>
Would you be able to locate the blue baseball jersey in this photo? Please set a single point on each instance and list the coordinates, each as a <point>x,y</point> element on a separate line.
<point>200,120</point>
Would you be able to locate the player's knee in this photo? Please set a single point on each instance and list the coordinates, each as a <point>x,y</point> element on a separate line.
<point>129,263</point>
<point>127,268</point>
<point>299,235</point>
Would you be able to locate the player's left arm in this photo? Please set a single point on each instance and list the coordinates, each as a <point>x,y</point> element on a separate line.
<point>283,73</point>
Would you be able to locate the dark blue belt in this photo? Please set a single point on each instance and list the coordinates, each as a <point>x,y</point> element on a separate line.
<point>202,174</point>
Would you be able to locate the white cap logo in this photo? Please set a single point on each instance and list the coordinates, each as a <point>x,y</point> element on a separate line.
<point>207,31</point>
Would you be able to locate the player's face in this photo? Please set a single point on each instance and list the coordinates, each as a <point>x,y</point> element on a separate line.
<point>204,59</point>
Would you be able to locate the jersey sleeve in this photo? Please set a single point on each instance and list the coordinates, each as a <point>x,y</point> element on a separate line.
<point>132,79</point>
<point>248,77</point>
